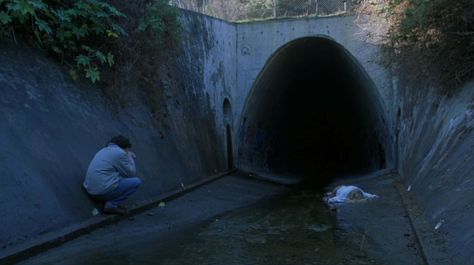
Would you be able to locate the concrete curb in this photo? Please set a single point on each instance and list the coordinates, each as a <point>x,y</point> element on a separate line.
<point>54,239</point>
<point>432,244</point>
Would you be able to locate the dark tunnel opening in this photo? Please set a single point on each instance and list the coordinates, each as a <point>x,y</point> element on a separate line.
<point>313,112</point>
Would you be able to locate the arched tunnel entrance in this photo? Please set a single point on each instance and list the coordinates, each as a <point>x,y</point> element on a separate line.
<point>313,112</point>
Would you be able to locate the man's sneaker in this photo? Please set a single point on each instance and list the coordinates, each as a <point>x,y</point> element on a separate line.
<point>115,210</point>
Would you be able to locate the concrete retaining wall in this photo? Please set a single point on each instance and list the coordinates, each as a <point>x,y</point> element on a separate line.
<point>52,126</point>
<point>436,160</point>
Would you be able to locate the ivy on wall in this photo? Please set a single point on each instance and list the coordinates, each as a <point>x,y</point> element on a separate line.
<point>83,34</point>
<point>75,31</point>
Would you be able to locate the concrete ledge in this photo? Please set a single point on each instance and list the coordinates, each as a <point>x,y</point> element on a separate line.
<point>432,243</point>
<point>53,239</point>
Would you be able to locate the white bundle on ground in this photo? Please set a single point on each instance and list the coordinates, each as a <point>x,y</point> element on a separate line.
<point>342,194</point>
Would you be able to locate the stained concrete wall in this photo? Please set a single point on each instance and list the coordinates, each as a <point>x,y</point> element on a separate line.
<point>212,60</point>
<point>436,153</point>
<point>52,126</point>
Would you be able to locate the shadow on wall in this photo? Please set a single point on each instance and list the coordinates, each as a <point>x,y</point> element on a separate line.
<point>312,112</point>
<point>228,133</point>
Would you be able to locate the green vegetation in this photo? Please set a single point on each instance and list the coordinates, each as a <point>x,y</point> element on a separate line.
<point>439,35</point>
<point>81,33</point>
<point>145,58</point>
<point>432,41</point>
<point>161,20</point>
<point>430,21</point>
<point>69,29</point>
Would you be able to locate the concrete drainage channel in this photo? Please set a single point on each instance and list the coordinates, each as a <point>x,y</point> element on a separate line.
<point>360,229</point>
<point>373,119</point>
<point>57,238</point>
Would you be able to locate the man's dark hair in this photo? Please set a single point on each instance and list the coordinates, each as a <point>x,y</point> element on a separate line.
<point>122,141</point>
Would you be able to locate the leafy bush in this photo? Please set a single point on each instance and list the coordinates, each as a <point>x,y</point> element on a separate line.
<point>72,30</point>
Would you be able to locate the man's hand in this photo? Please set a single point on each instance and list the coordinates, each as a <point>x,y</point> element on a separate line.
<point>130,153</point>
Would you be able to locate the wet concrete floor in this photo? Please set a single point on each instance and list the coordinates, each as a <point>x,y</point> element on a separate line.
<point>237,220</point>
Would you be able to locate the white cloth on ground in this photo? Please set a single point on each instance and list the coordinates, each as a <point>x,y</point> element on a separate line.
<point>350,194</point>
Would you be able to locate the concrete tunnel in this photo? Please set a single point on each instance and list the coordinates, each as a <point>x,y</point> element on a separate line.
<point>313,112</point>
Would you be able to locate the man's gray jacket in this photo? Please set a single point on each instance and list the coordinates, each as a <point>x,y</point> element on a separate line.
<point>106,169</point>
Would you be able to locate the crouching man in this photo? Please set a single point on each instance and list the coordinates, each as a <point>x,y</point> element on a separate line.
<point>111,176</point>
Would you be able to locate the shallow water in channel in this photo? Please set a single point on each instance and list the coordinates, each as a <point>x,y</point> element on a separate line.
<point>296,228</point>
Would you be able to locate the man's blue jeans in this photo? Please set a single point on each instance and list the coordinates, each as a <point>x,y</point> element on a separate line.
<point>126,187</point>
